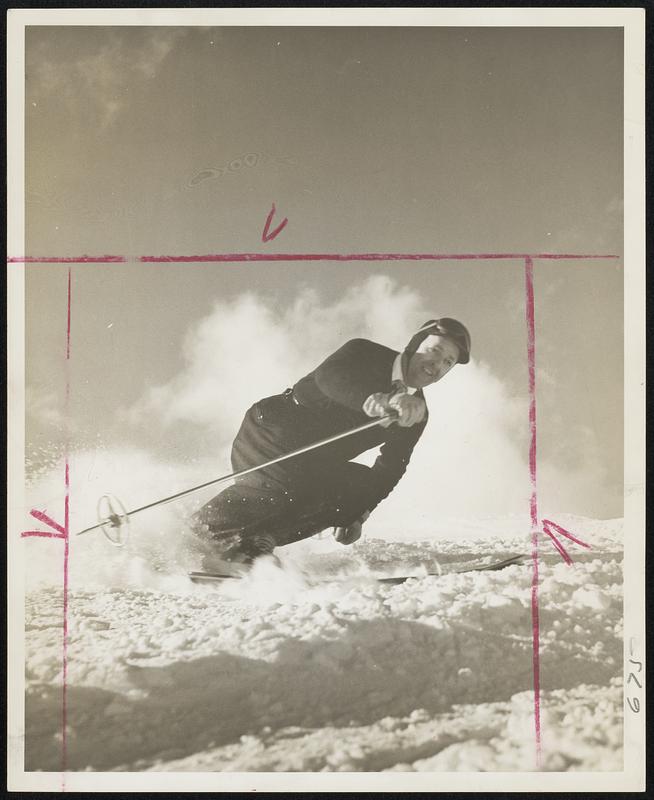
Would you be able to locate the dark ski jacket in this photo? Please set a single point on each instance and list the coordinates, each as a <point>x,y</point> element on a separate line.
<point>327,401</point>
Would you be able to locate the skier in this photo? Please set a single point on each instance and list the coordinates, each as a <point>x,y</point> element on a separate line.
<point>301,496</point>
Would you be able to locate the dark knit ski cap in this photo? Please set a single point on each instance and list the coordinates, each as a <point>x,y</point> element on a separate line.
<point>446,326</point>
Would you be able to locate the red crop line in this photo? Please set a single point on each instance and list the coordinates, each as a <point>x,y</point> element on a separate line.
<point>533,505</point>
<point>254,257</point>
<point>228,257</point>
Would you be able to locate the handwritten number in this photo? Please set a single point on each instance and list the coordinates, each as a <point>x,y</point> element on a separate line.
<point>635,680</point>
<point>636,706</point>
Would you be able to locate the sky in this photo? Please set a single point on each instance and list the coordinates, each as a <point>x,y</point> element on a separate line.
<point>152,140</point>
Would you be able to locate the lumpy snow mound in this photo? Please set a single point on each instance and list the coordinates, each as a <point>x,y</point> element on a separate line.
<point>279,673</point>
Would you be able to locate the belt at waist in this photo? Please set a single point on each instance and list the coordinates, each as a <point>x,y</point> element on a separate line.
<point>290,394</point>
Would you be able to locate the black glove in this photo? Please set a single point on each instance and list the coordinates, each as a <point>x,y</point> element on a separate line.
<point>350,533</point>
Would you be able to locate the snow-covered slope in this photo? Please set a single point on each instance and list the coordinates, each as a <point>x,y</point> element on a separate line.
<point>273,674</point>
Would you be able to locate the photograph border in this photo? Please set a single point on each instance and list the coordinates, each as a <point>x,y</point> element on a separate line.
<point>632,777</point>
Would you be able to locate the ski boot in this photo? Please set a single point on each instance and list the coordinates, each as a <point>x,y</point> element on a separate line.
<point>241,556</point>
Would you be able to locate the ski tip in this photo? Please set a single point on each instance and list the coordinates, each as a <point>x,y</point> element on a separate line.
<point>507,562</point>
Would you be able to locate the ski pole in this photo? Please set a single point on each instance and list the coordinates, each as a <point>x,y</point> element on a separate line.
<point>115,522</point>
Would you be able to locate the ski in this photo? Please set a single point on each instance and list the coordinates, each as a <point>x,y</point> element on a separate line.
<point>201,577</point>
<point>495,565</point>
<point>210,577</point>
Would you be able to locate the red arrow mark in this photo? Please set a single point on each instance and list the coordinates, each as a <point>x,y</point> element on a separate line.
<point>549,527</point>
<point>42,517</point>
<point>268,235</point>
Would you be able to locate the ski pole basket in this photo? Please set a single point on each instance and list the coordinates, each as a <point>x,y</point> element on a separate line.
<point>113,520</point>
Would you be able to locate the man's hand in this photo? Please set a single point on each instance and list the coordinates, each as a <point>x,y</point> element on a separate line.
<point>410,409</point>
<point>406,408</point>
<point>377,405</point>
<point>351,533</point>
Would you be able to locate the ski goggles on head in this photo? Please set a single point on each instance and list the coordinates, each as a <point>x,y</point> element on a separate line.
<point>454,330</point>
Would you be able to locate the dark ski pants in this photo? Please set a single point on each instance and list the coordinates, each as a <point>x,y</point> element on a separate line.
<point>247,520</point>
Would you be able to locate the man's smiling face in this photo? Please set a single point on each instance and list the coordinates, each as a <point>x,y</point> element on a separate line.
<point>434,358</point>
